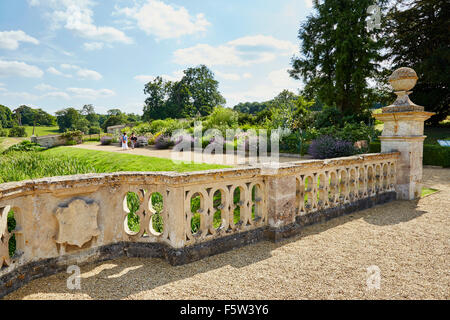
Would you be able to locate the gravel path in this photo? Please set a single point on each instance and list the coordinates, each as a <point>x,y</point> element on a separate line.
<point>407,240</point>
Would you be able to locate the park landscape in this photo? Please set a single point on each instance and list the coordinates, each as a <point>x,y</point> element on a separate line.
<point>334,113</point>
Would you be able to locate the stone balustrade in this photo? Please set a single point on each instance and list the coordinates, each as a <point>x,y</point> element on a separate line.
<point>83,218</point>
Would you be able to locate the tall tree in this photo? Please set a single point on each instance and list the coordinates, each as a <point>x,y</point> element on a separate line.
<point>88,112</point>
<point>203,89</point>
<point>196,93</point>
<point>67,119</point>
<point>338,53</point>
<point>6,117</point>
<point>418,36</point>
<point>155,104</point>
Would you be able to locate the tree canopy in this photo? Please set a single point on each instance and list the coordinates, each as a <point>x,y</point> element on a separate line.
<point>6,117</point>
<point>196,93</point>
<point>418,36</point>
<point>338,53</point>
<point>28,116</point>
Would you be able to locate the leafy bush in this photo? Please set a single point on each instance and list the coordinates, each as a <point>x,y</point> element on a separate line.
<point>350,132</point>
<point>167,126</point>
<point>17,132</point>
<point>106,140</point>
<point>3,132</point>
<point>24,146</point>
<point>329,116</point>
<point>436,155</point>
<point>94,130</point>
<point>290,143</point>
<point>326,147</point>
<point>163,142</point>
<point>221,117</point>
<point>73,137</point>
<point>433,155</point>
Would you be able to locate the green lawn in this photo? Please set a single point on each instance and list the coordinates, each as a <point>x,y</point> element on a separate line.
<point>427,191</point>
<point>41,131</point>
<point>104,161</point>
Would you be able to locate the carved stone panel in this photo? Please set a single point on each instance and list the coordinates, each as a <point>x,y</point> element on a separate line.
<point>77,223</point>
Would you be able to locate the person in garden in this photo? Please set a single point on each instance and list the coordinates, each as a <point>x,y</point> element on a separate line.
<point>133,139</point>
<point>124,141</point>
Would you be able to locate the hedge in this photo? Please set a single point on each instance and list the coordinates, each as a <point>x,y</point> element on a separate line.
<point>433,155</point>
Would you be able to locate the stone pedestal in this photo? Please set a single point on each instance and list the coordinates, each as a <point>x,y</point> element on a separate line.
<point>281,206</point>
<point>403,132</point>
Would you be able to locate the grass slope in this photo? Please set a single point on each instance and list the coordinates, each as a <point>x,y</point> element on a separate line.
<point>41,131</point>
<point>104,161</point>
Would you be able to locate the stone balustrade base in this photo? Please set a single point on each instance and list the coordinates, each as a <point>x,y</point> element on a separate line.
<point>46,267</point>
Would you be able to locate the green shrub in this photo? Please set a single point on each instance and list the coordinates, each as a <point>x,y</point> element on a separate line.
<point>436,155</point>
<point>94,130</point>
<point>350,132</point>
<point>24,146</point>
<point>3,132</point>
<point>433,155</point>
<point>73,137</point>
<point>290,143</point>
<point>375,147</point>
<point>17,132</point>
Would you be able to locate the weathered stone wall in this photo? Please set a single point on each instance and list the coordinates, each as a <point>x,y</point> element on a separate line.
<point>49,140</point>
<point>82,218</point>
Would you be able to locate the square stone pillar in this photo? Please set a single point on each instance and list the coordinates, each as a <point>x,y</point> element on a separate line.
<point>403,132</point>
<point>281,206</point>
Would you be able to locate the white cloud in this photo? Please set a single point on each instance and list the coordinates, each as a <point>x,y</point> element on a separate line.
<point>275,82</point>
<point>309,3</point>
<point>176,76</point>
<point>56,72</point>
<point>89,74</point>
<point>228,76</point>
<point>165,21</point>
<point>81,73</point>
<point>10,39</point>
<point>44,87</point>
<point>281,79</point>
<point>69,66</point>
<point>247,75</point>
<point>91,93</point>
<point>76,16</point>
<point>20,69</point>
<point>91,46</point>
<point>24,96</point>
<point>56,94</point>
<point>243,51</point>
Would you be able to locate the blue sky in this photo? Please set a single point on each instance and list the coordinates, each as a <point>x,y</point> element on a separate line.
<point>60,53</point>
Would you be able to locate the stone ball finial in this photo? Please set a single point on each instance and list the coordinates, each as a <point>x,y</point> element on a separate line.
<point>403,79</point>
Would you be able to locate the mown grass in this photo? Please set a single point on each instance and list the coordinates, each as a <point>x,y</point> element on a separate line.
<point>17,166</point>
<point>41,131</point>
<point>104,161</point>
<point>427,192</point>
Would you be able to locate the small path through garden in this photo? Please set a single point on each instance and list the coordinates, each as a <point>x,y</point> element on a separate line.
<point>408,240</point>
